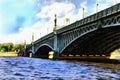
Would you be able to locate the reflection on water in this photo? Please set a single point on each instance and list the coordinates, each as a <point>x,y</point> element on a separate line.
<point>21,68</point>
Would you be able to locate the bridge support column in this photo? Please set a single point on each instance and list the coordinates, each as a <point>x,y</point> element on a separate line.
<point>33,50</point>
<point>30,55</point>
<point>56,49</point>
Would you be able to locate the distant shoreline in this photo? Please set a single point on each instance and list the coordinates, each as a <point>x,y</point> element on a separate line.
<point>8,54</point>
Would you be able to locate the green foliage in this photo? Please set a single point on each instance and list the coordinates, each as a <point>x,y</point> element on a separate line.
<point>7,47</point>
<point>17,47</point>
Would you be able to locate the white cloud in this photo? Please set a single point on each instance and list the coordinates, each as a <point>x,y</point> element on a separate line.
<point>39,29</point>
<point>56,8</point>
<point>63,11</point>
<point>37,24</point>
<point>25,34</point>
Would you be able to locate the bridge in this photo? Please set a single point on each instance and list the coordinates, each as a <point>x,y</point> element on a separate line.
<point>97,35</point>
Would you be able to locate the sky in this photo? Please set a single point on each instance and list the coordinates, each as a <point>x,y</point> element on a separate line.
<point>19,19</point>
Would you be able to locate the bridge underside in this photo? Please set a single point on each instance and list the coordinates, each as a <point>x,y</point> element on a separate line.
<point>43,52</point>
<point>100,42</point>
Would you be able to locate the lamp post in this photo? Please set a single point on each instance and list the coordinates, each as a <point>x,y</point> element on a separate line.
<point>25,44</point>
<point>32,37</point>
<point>30,55</point>
<point>40,34</point>
<point>96,8</point>
<point>47,30</point>
<point>83,12</point>
<point>115,1</point>
<point>55,53</point>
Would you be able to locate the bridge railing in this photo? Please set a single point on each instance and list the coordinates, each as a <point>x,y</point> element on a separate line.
<point>104,13</point>
<point>44,37</point>
<point>80,23</point>
<point>108,11</point>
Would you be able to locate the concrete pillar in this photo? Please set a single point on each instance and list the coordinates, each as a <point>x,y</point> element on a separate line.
<point>30,55</point>
<point>33,48</point>
<point>56,49</point>
<point>51,55</point>
<point>55,37</point>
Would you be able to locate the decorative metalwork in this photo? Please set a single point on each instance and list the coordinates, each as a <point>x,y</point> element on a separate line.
<point>109,17</point>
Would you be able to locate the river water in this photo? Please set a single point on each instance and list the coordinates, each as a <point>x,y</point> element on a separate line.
<point>22,68</point>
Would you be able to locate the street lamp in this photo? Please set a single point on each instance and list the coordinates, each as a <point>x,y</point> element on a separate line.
<point>40,34</point>
<point>25,44</point>
<point>47,30</point>
<point>32,37</point>
<point>115,1</point>
<point>83,12</point>
<point>96,8</point>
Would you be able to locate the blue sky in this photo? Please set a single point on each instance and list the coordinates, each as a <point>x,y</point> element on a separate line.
<point>15,14</point>
<point>20,18</point>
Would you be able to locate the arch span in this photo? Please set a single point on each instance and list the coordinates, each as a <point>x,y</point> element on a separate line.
<point>99,42</point>
<point>43,51</point>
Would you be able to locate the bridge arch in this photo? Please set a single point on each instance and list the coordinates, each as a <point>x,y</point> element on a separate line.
<point>95,42</point>
<point>43,51</point>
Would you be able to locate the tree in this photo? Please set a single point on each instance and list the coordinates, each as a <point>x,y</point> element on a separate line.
<point>5,47</point>
<point>9,46</point>
<point>0,46</point>
<point>18,47</point>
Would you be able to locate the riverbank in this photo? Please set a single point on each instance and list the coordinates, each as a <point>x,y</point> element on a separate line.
<point>113,64</point>
<point>9,54</point>
<point>108,63</point>
<point>105,65</point>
